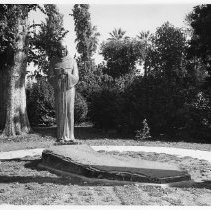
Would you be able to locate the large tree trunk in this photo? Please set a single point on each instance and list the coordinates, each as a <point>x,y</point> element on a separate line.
<point>17,122</point>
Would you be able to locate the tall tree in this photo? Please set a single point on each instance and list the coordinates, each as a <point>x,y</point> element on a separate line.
<point>167,81</point>
<point>17,45</point>
<point>86,34</point>
<point>45,42</point>
<point>121,56</point>
<point>167,52</point>
<point>14,50</point>
<point>200,44</point>
<point>146,38</point>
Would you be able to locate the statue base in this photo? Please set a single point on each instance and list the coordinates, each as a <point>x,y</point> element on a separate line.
<point>84,162</point>
<point>69,142</point>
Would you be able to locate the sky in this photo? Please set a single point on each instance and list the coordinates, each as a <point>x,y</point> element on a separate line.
<point>133,18</point>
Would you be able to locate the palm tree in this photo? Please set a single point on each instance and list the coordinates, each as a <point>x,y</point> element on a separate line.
<point>117,34</point>
<point>144,36</point>
<point>93,40</point>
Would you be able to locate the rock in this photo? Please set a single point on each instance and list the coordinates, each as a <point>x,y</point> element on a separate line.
<point>82,160</point>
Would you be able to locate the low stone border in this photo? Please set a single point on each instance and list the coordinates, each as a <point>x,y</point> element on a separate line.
<point>205,155</point>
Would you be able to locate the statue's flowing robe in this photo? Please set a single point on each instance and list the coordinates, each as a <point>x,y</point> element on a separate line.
<point>64,88</point>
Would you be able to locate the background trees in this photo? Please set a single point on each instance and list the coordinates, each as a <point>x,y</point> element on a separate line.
<point>121,55</point>
<point>167,52</point>
<point>45,41</point>
<point>117,34</point>
<point>86,45</point>
<point>165,66</point>
<point>86,34</point>
<point>199,52</point>
<point>163,77</point>
<point>166,95</point>
<point>200,44</point>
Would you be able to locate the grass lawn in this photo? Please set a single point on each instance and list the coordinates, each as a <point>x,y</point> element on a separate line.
<point>22,183</point>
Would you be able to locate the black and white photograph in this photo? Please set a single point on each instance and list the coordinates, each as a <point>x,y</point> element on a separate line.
<point>105,103</point>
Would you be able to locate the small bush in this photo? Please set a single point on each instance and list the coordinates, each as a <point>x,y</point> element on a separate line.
<point>144,133</point>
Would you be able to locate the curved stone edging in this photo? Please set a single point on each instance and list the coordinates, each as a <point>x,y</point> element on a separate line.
<point>205,155</point>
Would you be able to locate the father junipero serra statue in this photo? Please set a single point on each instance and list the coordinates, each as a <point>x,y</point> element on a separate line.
<point>64,77</point>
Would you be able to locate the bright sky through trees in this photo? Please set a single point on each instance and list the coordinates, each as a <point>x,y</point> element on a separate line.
<point>131,18</point>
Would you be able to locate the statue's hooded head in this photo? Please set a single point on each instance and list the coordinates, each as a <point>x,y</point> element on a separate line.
<point>63,48</point>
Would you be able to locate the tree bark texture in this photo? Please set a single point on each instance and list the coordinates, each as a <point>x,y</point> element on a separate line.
<point>17,122</point>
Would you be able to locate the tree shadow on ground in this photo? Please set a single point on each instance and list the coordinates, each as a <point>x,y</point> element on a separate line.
<point>81,133</point>
<point>67,179</point>
<point>36,179</point>
<point>46,178</point>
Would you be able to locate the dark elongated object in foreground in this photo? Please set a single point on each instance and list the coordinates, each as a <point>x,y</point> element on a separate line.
<point>82,160</point>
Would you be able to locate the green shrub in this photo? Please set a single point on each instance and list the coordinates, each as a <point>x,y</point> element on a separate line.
<point>40,103</point>
<point>81,108</point>
<point>128,102</point>
<point>197,116</point>
<point>143,133</point>
<point>92,81</point>
<point>108,108</point>
<point>105,108</point>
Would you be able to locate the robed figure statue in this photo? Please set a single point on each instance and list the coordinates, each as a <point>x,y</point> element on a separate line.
<point>64,77</point>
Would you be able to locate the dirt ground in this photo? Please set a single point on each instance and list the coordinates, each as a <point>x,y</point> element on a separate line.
<point>22,183</point>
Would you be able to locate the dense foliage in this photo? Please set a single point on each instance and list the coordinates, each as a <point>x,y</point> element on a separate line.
<point>40,103</point>
<point>86,34</point>
<point>9,14</point>
<point>38,43</point>
<point>86,44</point>
<point>168,95</point>
<point>93,80</point>
<point>121,55</point>
<point>171,97</point>
<point>200,43</point>
<point>108,108</point>
<point>45,42</point>
<point>80,109</point>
